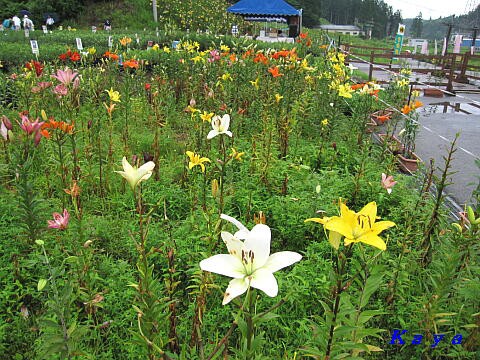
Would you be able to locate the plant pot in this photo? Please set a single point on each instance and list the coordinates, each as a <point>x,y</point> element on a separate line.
<point>433,92</point>
<point>393,143</point>
<point>381,116</point>
<point>370,126</point>
<point>408,165</point>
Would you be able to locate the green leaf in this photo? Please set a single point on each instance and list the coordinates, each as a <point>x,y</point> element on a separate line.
<point>372,284</point>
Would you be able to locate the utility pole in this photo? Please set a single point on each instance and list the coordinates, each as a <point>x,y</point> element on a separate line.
<point>154,8</point>
<point>449,32</point>
<point>474,39</point>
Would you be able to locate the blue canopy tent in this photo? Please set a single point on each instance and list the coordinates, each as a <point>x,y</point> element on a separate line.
<point>263,10</point>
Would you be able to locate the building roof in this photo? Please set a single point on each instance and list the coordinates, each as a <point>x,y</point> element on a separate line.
<point>340,27</point>
<point>263,7</point>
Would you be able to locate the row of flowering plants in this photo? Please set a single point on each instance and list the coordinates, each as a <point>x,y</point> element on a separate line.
<point>220,201</point>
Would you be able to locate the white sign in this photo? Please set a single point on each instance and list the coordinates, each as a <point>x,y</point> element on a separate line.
<point>110,42</point>
<point>79,44</point>
<point>424,50</point>
<point>44,28</point>
<point>457,43</point>
<point>34,46</point>
<point>27,33</point>
<point>401,29</point>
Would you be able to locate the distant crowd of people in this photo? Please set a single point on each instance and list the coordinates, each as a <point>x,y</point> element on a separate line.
<point>14,23</point>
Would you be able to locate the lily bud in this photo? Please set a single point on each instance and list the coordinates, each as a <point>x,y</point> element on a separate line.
<point>44,115</point>
<point>87,243</point>
<point>193,102</point>
<point>7,122</point>
<point>214,188</point>
<point>89,124</point>
<point>470,214</point>
<point>260,219</point>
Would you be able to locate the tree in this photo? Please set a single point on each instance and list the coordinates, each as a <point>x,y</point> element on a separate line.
<point>417,26</point>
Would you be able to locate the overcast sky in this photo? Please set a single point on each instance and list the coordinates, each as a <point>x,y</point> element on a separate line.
<point>432,8</point>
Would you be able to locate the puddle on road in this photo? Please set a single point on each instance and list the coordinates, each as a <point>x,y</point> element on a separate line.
<point>446,107</point>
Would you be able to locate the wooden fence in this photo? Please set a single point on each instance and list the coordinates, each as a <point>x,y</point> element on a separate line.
<point>452,67</point>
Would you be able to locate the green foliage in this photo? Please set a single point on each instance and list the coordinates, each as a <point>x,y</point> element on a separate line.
<point>118,251</point>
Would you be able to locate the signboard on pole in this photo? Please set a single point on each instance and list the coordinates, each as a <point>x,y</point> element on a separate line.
<point>79,44</point>
<point>397,46</point>
<point>34,46</point>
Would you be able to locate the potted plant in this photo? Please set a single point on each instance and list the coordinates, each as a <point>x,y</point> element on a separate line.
<point>407,158</point>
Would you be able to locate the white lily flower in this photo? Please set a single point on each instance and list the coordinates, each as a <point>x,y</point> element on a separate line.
<point>242,232</point>
<point>220,126</point>
<point>133,175</point>
<point>249,262</point>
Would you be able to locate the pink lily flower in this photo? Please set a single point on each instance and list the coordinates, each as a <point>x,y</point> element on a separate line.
<point>60,90</point>
<point>3,131</point>
<point>387,182</point>
<point>67,77</point>
<point>29,126</point>
<point>59,222</point>
<point>41,86</point>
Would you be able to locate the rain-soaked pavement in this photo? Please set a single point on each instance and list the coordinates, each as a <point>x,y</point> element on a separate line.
<point>441,118</point>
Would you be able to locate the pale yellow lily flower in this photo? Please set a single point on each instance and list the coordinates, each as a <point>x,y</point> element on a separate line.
<point>133,175</point>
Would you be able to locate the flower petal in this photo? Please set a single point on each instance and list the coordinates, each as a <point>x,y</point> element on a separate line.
<point>334,239</point>
<point>373,240</point>
<point>322,221</point>
<point>236,287</point>
<point>224,264</point>
<point>126,165</point>
<point>229,133</point>
<point>370,210</point>
<point>212,134</point>
<point>341,226</point>
<point>234,245</point>
<point>280,260</point>
<point>264,280</point>
<point>378,227</point>
<point>258,241</point>
<point>225,121</point>
<point>237,223</point>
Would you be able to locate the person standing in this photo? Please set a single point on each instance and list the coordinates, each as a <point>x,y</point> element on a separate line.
<point>27,23</point>
<point>7,23</point>
<point>16,23</point>
<point>49,22</point>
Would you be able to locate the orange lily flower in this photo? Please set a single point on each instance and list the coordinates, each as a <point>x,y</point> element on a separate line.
<point>275,71</point>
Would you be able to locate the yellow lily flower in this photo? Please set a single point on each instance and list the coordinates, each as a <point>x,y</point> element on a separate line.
<point>324,122</point>
<point>236,155</point>
<point>206,116</point>
<point>114,95</point>
<point>226,77</point>
<point>356,227</point>
<point>133,175</point>
<point>345,91</point>
<point>255,83</point>
<point>278,97</point>
<point>195,160</point>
